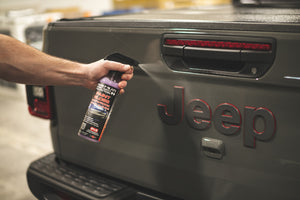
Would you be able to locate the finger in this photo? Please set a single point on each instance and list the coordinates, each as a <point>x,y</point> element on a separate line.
<point>122,91</point>
<point>122,84</point>
<point>115,66</point>
<point>130,71</point>
<point>127,77</point>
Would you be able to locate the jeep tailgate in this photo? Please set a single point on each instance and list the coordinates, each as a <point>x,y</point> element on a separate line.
<point>203,133</point>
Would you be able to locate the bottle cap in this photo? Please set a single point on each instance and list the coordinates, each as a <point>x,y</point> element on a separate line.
<point>122,59</point>
<point>114,77</point>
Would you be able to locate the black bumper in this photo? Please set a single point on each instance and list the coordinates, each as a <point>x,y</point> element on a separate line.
<point>52,179</point>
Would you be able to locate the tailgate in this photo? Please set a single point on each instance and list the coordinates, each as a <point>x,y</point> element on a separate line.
<point>211,132</point>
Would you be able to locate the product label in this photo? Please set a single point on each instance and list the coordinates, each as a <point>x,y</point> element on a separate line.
<point>98,112</point>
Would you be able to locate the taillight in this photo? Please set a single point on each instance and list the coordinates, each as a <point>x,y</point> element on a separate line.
<point>219,44</point>
<point>39,101</point>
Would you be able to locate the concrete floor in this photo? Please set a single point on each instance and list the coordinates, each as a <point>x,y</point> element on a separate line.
<point>23,138</point>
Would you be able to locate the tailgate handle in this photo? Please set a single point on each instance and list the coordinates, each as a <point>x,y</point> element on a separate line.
<point>236,56</point>
<point>211,53</point>
<point>213,148</point>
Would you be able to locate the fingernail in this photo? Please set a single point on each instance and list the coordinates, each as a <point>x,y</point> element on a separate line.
<point>122,85</point>
<point>126,67</point>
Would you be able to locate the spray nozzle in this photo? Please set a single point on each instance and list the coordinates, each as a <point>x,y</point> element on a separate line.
<point>121,59</point>
<point>116,75</point>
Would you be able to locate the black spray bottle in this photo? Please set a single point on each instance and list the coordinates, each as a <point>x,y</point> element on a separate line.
<point>100,107</point>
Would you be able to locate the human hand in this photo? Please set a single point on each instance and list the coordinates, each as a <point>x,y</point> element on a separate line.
<point>96,70</point>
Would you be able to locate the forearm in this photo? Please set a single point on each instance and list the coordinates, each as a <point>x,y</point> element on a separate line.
<point>24,64</point>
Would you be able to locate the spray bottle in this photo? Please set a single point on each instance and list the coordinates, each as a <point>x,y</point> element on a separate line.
<point>100,107</point>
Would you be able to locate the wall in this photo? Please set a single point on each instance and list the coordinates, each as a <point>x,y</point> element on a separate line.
<point>94,6</point>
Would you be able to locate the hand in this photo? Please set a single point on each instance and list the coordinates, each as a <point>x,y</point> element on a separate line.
<point>96,70</point>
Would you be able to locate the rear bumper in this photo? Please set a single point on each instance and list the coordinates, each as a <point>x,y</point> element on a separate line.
<point>53,179</point>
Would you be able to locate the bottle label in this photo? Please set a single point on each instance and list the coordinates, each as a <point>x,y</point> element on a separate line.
<point>98,112</point>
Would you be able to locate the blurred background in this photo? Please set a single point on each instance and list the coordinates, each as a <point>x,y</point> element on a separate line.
<point>24,138</point>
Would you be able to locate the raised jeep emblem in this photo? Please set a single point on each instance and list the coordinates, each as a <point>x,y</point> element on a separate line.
<point>227,118</point>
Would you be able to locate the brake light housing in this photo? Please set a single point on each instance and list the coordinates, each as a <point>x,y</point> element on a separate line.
<point>219,44</point>
<point>39,101</point>
<point>225,55</point>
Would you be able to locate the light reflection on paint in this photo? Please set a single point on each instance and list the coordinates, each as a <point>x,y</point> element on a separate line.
<point>292,77</point>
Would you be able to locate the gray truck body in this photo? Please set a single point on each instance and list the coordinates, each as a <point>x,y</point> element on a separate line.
<point>142,148</point>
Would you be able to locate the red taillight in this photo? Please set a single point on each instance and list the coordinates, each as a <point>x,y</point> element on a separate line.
<point>219,44</point>
<point>39,103</point>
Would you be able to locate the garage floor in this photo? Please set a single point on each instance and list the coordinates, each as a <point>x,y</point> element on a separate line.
<point>23,138</point>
